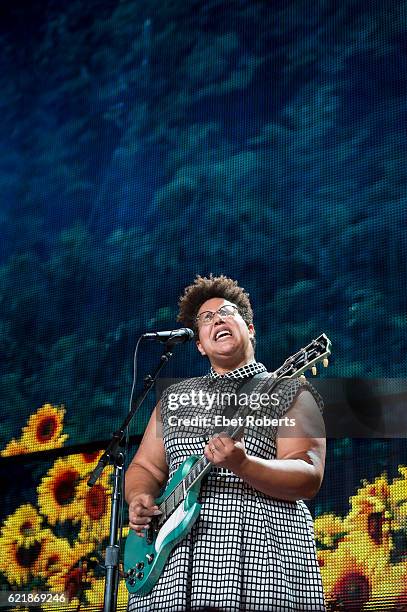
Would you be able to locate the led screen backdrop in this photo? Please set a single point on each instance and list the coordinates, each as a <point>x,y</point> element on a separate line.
<point>55,528</point>
<point>144,143</point>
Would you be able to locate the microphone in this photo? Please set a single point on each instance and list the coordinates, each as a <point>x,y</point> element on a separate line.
<point>174,336</point>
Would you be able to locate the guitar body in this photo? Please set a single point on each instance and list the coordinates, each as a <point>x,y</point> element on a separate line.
<point>144,558</point>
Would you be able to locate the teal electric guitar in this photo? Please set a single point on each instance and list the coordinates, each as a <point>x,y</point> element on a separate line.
<point>144,558</point>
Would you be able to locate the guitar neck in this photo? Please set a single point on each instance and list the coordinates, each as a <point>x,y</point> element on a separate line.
<point>199,470</point>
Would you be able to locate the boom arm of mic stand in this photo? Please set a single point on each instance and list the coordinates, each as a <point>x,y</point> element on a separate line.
<point>118,435</point>
<point>115,454</point>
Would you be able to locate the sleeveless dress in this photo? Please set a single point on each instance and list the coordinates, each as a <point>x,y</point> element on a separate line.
<point>247,551</point>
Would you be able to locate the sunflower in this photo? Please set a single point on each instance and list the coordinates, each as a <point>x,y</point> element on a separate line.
<point>375,557</point>
<point>44,429</point>
<point>86,462</point>
<point>89,459</point>
<point>57,556</point>
<point>74,580</point>
<point>57,493</point>
<point>42,432</point>
<point>19,561</point>
<point>371,512</point>
<point>347,581</point>
<point>354,571</point>
<point>95,509</point>
<point>23,527</point>
<point>329,529</point>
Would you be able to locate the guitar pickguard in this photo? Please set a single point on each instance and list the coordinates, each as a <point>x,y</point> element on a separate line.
<point>169,526</point>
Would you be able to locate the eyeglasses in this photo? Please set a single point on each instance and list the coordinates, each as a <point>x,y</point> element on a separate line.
<point>224,311</point>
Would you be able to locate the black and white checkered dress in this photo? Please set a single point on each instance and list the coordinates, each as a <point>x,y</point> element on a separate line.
<point>246,551</point>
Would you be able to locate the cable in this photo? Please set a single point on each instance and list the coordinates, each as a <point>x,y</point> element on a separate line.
<point>126,444</point>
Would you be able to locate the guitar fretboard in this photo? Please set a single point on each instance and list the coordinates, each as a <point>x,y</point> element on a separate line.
<point>172,501</point>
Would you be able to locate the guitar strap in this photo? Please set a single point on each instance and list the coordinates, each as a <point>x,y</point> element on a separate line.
<point>245,388</point>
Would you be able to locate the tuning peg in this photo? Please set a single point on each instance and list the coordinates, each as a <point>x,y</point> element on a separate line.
<point>314,370</point>
<point>325,362</point>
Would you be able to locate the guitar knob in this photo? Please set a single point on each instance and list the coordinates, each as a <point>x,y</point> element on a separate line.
<point>314,370</point>
<point>325,362</point>
<point>139,575</point>
<point>131,581</point>
<point>140,565</point>
<point>150,558</point>
<point>131,572</point>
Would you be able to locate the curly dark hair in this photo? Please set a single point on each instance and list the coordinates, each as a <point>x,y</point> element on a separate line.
<point>205,288</point>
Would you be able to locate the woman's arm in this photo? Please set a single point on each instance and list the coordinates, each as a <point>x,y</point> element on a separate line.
<point>146,475</point>
<point>298,469</point>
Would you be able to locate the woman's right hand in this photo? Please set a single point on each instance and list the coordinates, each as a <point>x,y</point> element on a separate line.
<point>141,509</point>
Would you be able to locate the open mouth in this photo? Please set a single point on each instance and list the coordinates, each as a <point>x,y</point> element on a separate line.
<point>222,334</point>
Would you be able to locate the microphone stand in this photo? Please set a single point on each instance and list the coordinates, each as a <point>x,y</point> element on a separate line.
<point>115,454</point>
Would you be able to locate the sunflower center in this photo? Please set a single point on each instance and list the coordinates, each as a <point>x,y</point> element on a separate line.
<point>73,583</point>
<point>52,561</point>
<point>96,502</point>
<point>90,457</point>
<point>353,590</point>
<point>27,528</point>
<point>375,527</point>
<point>46,429</point>
<point>65,487</point>
<point>25,557</point>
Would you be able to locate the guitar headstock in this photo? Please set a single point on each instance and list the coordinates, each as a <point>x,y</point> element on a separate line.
<point>316,351</point>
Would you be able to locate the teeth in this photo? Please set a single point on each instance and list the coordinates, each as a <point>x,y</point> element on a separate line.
<point>222,334</point>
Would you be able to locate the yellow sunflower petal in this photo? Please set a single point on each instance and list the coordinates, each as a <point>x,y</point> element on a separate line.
<point>328,529</point>
<point>366,551</point>
<point>398,499</point>
<point>122,596</point>
<point>95,595</point>
<point>377,492</point>
<point>390,592</point>
<point>14,447</point>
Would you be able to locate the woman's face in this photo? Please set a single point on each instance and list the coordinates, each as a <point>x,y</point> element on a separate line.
<point>225,340</point>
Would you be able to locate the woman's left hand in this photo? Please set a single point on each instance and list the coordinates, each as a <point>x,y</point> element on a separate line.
<point>223,451</point>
